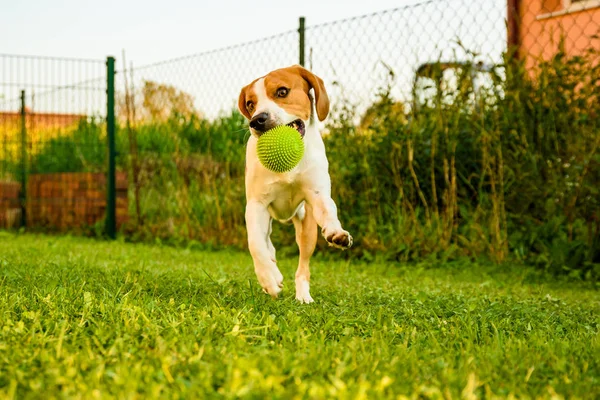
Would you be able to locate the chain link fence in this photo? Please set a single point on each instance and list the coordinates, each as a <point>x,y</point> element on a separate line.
<point>360,56</point>
<point>52,131</point>
<point>187,173</point>
<point>354,56</point>
<point>180,140</point>
<point>211,81</point>
<point>538,30</point>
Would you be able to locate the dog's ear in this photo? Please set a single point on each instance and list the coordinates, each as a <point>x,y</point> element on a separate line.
<point>242,103</point>
<point>321,97</point>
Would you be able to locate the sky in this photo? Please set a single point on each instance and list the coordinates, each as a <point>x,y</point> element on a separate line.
<point>353,57</point>
<point>154,30</point>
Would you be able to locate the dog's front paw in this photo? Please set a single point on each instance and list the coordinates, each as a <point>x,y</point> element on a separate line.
<point>338,238</point>
<point>278,278</point>
<point>270,284</point>
<point>272,290</point>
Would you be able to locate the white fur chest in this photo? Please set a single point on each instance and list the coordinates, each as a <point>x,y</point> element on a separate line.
<point>283,193</point>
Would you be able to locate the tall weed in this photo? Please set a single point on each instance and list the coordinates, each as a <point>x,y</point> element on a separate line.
<point>507,171</point>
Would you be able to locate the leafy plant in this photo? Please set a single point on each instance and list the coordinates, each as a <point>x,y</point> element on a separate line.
<point>507,170</point>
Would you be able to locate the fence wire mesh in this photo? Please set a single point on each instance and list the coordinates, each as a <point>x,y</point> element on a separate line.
<point>180,139</point>
<point>53,142</point>
<point>210,81</point>
<point>360,56</point>
<point>542,28</point>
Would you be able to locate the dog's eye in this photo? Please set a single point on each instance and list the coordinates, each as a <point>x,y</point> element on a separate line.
<point>249,106</point>
<point>282,92</point>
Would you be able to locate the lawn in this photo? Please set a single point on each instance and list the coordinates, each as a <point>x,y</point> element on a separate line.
<point>91,319</point>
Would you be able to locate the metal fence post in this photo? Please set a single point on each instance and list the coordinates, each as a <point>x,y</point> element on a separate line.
<point>23,193</point>
<point>111,200</point>
<point>513,25</point>
<point>301,32</point>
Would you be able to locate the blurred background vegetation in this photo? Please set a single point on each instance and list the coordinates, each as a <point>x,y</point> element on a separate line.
<point>507,171</point>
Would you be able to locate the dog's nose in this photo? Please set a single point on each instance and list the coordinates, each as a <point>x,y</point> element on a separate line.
<point>259,122</point>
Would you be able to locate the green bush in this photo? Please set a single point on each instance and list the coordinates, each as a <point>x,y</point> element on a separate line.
<point>83,148</point>
<point>506,171</point>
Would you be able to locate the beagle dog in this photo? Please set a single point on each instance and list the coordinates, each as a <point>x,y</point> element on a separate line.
<point>301,196</point>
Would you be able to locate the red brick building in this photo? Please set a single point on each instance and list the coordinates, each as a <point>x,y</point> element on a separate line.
<point>11,120</point>
<point>536,28</point>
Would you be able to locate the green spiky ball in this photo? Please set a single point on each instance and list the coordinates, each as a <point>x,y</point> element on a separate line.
<point>280,149</point>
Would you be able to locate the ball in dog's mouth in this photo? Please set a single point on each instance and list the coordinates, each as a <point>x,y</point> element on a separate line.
<point>298,125</point>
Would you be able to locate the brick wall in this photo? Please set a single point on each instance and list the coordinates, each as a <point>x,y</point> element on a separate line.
<point>10,207</point>
<point>72,200</point>
<point>544,23</point>
<point>62,201</point>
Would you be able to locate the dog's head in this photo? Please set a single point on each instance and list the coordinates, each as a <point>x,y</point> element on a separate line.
<point>282,98</point>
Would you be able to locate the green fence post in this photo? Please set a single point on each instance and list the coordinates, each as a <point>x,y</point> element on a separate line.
<point>301,32</point>
<point>23,193</point>
<point>111,199</point>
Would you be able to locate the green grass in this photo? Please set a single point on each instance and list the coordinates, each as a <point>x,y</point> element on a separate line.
<point>84,319</point>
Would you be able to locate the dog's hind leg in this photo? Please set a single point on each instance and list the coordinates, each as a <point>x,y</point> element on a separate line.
<point>306,237</point>
<point>258,224</point>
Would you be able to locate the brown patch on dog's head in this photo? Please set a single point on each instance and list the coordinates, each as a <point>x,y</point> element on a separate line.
<point>247,98</point>
<point>289,89</point>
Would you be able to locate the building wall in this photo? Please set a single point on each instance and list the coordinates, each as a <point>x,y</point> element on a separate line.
<point>12,120</point>
<point>543,23</point>
<point>65,201</point>
<point>62,201</point>
<point>10,205</point>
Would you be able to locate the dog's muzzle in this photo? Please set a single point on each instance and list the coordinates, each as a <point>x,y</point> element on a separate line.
<point>299,126</point>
